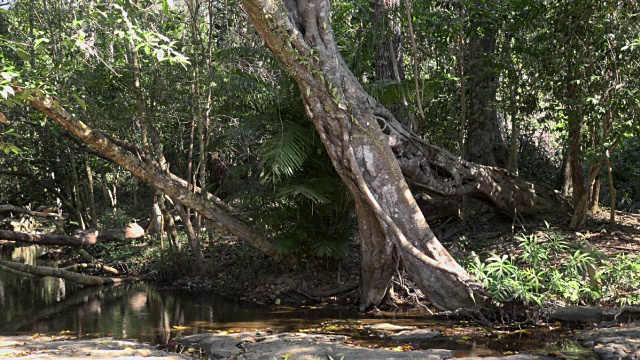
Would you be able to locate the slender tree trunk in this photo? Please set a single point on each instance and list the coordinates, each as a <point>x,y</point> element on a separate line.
<point>594,201</point>
<point>463,86</point>
<point>90,195</point>
<point>462,135</point>
<point>389,62</point>
<point>194,242</point>
<point>416,69</point>
<point>170,225</point>
<point>76,189</point>
<point>566,173</point>
<point>612,191</point>
<point>512,165</point>
<point>107,191</point>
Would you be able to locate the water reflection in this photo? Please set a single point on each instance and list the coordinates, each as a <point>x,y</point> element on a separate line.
<point>134,310</point>
<point>147,313</point>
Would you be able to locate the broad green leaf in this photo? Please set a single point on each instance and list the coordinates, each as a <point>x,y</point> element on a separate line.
<point>40,41</point>
<point>23,54</point>
<point>81,102</point>
<point>165,7</point>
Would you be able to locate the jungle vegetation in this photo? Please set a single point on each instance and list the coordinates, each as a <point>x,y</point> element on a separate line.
<point>290,124</point>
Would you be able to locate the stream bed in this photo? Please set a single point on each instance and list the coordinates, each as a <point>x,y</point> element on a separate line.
<point>156,315</point>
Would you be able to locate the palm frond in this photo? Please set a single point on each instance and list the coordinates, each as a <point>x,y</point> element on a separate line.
<point>330,248</point>
<point>305,192</point>
<point>284,153</point>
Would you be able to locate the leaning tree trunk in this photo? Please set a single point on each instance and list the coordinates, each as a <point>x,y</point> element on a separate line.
<point>221,214</point>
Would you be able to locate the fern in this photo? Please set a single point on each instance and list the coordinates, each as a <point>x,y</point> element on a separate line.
<point>284,154</point>
<point>306,192</point>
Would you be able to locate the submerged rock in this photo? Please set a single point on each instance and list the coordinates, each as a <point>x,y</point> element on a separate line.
<point>415,335</point>
<point>388,327</point>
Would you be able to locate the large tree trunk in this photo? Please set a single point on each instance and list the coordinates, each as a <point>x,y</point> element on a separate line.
<point>348,121</point>
<point>371,151</point>
<point>485,143</point>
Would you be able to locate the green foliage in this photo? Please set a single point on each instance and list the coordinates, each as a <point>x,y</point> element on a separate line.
<point>548,269</point>
<point>621,279</point>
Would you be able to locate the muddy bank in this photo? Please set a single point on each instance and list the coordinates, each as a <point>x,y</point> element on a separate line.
<point>68,347</point>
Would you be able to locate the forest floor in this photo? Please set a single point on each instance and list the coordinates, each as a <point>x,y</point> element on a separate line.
<point>235,271</point>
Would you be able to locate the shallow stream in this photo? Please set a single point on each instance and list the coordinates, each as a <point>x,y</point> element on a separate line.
<point>152,314</point>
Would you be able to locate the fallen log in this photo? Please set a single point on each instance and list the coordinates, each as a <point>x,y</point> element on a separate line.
<point>21,210</point>
<point>87,280</point>
<point>83,238</point>
<point>594,314</point>
<point>18,273</point>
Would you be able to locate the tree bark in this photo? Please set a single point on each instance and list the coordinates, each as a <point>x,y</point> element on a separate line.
<point>612,191</point>
<point>91,266</point>
<point>389,62</point>
<point>84,238</point>
<point>566,173</point>
<point>91,200</point>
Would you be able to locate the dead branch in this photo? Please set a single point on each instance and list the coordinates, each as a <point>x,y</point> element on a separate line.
<point>81,279</point>
<point>21,210</point>
<point>84,238</point>
<point>101,267</point>
<point>19,273</point>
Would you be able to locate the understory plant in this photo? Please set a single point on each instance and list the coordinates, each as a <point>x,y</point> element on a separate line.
<point>547,269</point>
